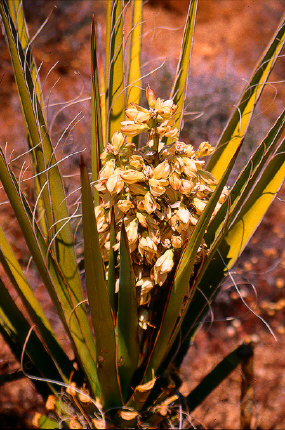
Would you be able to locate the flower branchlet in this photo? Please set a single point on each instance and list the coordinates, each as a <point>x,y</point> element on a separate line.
<point>159,191</point>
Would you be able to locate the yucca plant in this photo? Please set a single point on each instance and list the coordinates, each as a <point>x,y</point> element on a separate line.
<point>161,231</point>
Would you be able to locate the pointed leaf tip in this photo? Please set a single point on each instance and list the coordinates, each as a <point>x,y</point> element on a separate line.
<point>82,162</point>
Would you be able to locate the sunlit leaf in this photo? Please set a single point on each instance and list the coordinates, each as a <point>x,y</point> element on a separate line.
<point>134,81</point>
<point>238,123</point>
<point>115,88</point>
<point>178,92</point>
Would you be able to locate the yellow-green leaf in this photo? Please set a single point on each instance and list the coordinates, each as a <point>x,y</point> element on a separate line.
<point>115,88</point>
<point>173,315</point>
<point>128,345</point>
<point>134,76</point>
<point>246,179</point>
<point>178,91</point>
<point>33,307</point>
<point>238,123</point>
<point>255,206</point>
<point>15,328</point>
<point>69,304</point>
<point>97,144</point>
<point>98,298</point>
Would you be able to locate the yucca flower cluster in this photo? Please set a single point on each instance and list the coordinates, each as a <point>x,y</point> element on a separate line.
<point>158,191</point>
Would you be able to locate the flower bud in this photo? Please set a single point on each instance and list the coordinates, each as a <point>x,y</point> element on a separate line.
<point>143,319</point>
<point>129,128</point>
<point>204,149</point>
<point>163,266</point>
<point>125,205</point>
<point>186,187</point>
<point>157,186</point>
<point>115,182</point>
<point>117,141</point>
<point>107,170</point>
<point>51,402</point>
<point>132,231</point>
<point>70,389</point>
<point>199,205</point>
<point>149,203</point>
<point>150,96</point>
<point>174,180</point>
<point>162,170</point>
<point>189,167</point>
<point>142,219</point>
<point>176,241</point>
<point>132,176</point>
<point>136,161</point>
<point>84,396</point>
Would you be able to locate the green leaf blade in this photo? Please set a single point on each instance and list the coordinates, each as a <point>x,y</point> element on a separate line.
<point>170,326</point>
<point>239,121</point>
<point>115,88</point>
<point>134,75</point>
<point>33,307</point>
<point>15,329</point>
<point>98,297</point>
<point>221,371</point>
<point>73,317</point>
<point>178,91</point>
<point>246,179</point>
<point>231,243</point>
<point>127,326</point>
<point>97,143</point>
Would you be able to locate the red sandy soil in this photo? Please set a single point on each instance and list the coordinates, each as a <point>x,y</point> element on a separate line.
<point>228,31</point>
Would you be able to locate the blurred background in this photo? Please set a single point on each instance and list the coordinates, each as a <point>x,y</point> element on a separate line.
<point>230,36</point>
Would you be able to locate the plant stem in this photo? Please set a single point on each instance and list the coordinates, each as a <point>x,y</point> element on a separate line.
<point>155,137</point>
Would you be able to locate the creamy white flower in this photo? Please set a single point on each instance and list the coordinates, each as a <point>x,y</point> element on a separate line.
<point>147,248</point>
<point>117,141</point>
<point>115,183</point>
<point>189,167</point>
<point>142,219</point>
<point>186,187</point>
<point>132,176</point>
<point>102,223</point>
<point>162,171</point>
<point>136,161</point>
<point>149,203</point>
<point>130,128</point>
<point>183,214</point>
<point>199,205</point>
<point>125,205</point>
<point>174,180</point>
<point>107,170</point>
<point>163,266</point>
<point>204,149</point>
